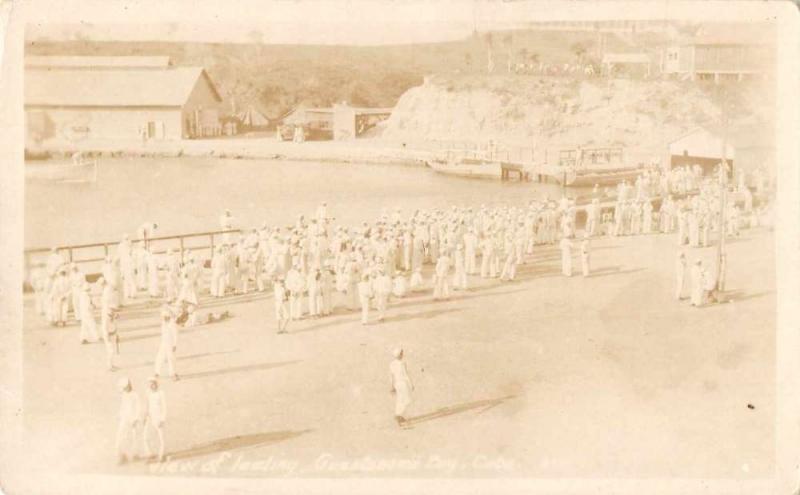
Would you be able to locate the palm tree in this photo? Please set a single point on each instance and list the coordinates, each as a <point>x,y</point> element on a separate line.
<point>579,49</point>
<point>508,42</point>
<point>523,55</point>
<point>487,38</point>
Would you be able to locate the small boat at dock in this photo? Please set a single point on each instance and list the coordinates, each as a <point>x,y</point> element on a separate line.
<point>468,167</point>
<point>79,169</point>
<point>476,168</point>
<point>601,177</point>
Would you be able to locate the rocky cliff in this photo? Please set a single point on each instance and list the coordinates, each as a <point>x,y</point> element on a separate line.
<point>555,112</point>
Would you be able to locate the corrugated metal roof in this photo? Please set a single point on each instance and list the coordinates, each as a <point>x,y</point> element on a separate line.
<point>725,33</point>
<point>95,62</point>
<point>112,87</point>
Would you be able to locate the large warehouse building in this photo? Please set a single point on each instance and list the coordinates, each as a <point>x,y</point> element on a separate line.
<point>117,99</point>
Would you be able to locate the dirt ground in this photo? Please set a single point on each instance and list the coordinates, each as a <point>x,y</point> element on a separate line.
<point>547,376</point>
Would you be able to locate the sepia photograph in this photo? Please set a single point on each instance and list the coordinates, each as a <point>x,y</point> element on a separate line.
<point>474,242</point>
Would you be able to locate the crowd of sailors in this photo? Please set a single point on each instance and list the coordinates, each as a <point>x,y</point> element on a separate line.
<point>314,266</point>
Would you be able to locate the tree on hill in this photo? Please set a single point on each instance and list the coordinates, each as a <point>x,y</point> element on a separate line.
<point>488,40</point>
<point>579,49</point>
<point>523,55</point>
<point>508,42</point>
<point>255,36</point>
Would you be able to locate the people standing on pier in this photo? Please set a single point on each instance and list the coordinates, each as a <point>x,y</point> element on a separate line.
<point>399,285</point>
<point>130,411</point>
<point>585,248</point>
<point>155,418</point>
<point>107,303</point>
<point>226,222</point>
<point>487,256</point>
<point>168,344</point>
<point>59,298</point>
<point>217,280</point>
<point>152,264</point>
<point>111,273</point>
<point>281,300</point>
<point>509,270</point>
<point>697,283</point>
<point>146,231</point>
<point>364,296</point>
<point>314,288</point>
<point>680,275</point>
<point>383,289</point>
<point>39,281</point>
<point>172,282</point>
<point>592,216</point>
<point>108,332</point>
<point>85,310</point>
<point>296,284</point>
<point>76,281</point>
<point>441,288</point>
<point>647,217</point>
<point>187,295</point>
<point>326,290</point>
<point>566,257</point>
<point>127,268</point>
<point>460,268</point>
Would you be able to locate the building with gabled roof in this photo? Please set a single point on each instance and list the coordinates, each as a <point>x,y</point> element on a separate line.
<point>106,103</point>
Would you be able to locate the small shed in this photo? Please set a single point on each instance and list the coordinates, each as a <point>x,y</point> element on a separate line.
<point>252,119</point>
<point>700,147</point>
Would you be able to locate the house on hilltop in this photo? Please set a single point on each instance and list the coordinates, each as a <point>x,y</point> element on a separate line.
<point>722,52</point>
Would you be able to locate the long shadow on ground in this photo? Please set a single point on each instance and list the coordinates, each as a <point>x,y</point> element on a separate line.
<point>237,442</point>
<point>180,358</point>
<point>237,369</point>
<point>609,270</point>
<point>483,405</point>
<point>739,295</point>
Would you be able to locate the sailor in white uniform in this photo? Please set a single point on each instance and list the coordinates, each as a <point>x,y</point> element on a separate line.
<point>156,418</point>
<point>129,419</point>
<point>401,386</point>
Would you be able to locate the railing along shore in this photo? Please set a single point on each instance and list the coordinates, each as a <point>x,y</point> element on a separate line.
<point>90,257</point>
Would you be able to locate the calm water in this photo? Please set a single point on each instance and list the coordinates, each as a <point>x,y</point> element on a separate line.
<point>188,195</point>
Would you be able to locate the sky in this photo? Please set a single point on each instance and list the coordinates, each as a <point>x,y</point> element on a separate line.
<point>349,22</point>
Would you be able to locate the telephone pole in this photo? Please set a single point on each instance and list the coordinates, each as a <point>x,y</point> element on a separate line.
<point>723,193</point>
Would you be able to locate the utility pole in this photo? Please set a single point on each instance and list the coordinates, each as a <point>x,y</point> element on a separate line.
<point>723,193</point>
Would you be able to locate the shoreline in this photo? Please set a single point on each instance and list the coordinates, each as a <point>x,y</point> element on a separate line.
<point>366,151</point>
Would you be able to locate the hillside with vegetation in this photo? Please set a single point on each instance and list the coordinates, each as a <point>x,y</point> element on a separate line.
<point>278,78</point>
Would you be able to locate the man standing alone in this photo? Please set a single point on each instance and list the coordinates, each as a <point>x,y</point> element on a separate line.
<point>566,257</point>
<point>401,386</point>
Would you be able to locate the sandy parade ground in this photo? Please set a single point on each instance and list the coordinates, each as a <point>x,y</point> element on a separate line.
<point>605,376</point>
